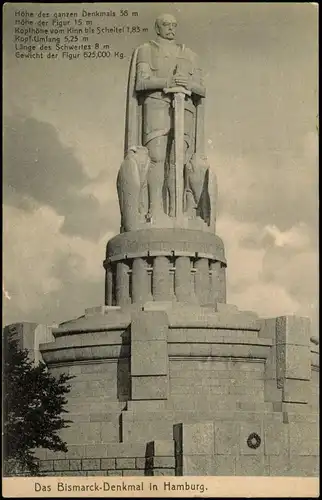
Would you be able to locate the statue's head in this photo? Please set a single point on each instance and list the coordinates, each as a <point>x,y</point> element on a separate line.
<point>165,26</point>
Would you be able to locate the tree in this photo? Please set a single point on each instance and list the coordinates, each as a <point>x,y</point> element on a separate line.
<point>34,402</point>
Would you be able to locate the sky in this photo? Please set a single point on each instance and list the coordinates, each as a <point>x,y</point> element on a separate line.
<point>63,146</point>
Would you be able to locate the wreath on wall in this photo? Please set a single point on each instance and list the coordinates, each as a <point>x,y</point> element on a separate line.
<point>254,441</point>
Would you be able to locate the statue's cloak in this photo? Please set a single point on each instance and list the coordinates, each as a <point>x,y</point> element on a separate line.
<point>133,122</point>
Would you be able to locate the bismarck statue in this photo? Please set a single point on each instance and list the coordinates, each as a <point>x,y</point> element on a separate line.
<point>165,179</point>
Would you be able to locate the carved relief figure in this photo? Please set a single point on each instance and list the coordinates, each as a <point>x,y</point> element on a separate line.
<point>132,188</point>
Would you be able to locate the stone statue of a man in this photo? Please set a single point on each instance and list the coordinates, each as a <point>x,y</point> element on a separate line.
<point>155,66</point>
<point>148,177</point>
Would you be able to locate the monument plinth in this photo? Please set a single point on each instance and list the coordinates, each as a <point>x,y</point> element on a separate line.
<point>169,379</point>
<point>180,265</point>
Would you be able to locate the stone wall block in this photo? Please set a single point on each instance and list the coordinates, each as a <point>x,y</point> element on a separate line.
<point>162,448</point>
<point>295,362</point>
<point>141,463</point>
<point>145,430</point>
<point>276,438</point>
<point>125,463</point>
<point>149,358</point>
<point>133,472</point>
<point>224,465</point>
<point>194,439</point>
<point>226,435</point>
<point>163,472</point>
<point>268,328</point>
<point>60,465</point>
<point>304,466</point>
<point>293,359</point>
<point>46,465</point>
<point>251,466</point>
<point>91,464</point>
<point>293,330</point>
<point>271,392</point>
<point>149,325</point>
<point>304,439</point>
<point>198,465</point>
<point>75,464</point>
<point>296,391</point>
<point>148,387</point>
<point>108,463</point>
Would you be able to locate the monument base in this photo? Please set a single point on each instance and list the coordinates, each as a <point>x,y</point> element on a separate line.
<point>172,389</point>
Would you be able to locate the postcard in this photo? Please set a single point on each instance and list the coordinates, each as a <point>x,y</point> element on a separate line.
<point>160,256</point>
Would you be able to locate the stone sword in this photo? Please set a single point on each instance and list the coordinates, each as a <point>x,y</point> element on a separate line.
<point>178,98</point>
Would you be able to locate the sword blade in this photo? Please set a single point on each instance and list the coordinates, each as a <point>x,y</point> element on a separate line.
<point>179,149</point>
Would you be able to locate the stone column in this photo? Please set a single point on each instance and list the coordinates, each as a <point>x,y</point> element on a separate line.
<point>140,289</point>
<point>202,281</point>
<point>161,278</point>
<point>218,282</point>
<point>222,276</point>
<point>122,284</point>
<point>109,286</point>
<point>215,268</point>
<point>183,279</point>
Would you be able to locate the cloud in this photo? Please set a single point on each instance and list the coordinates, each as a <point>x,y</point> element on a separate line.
<point>297,272</point>
<point>57,221</point>
<point>296,237</point>
<point>267,300</point>
<point>40,170</point>
<point>272,188</point>
<point>50,276</point>
<point>244,263</point>
<point>270,271</point>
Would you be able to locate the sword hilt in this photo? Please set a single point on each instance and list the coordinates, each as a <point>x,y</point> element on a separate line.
<point>176,90</point>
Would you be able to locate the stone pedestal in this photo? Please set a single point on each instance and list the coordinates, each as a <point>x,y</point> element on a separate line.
<point>171,380</point>
<point>214,381</point>
<point>183,265</point>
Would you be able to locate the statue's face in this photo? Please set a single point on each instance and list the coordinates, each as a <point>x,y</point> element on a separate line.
<point>166,27</point>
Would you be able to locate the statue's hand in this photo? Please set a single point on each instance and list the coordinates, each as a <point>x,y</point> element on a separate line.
<point>180,80</point>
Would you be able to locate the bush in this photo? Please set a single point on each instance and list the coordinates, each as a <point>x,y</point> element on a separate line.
<point>34,402</point>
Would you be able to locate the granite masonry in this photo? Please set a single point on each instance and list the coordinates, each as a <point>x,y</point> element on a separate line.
<point>169,378</point>
<point>184,391</point>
